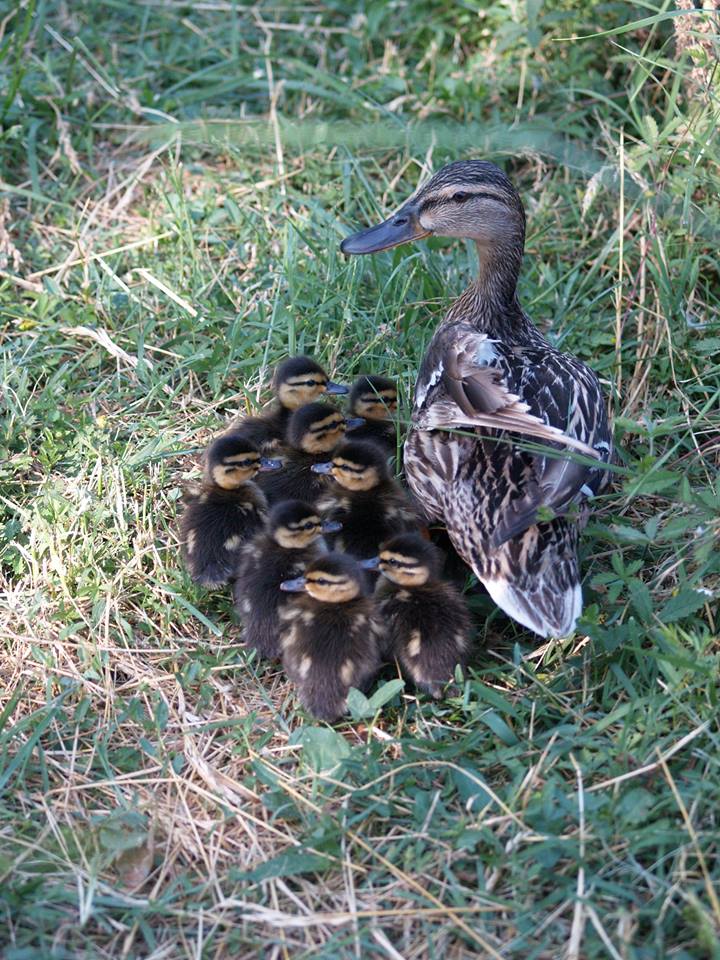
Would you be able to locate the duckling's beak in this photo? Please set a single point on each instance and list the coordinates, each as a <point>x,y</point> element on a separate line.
<point>266,463</point>
<point>372,564</point>
<point>352,423</point>
<point>402,227</point>
<point>293,586</point>
<point>330,526</point>
<point>336,389</point>
<point>322,467</point>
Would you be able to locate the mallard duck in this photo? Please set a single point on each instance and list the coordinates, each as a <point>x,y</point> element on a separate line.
<point>364,498</point>
<point>296,381</point>
<point>223,511</point>
<point>375,399</point>
<point>427,623</point>
<point>313,431</point>
<point>328,635</point>
<point>489,373</point>
<point>291,540</point>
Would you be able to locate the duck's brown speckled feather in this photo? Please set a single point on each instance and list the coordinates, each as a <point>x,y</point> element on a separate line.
<point>488,491</point>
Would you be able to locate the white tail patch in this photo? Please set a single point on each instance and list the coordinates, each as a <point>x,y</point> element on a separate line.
<point>509,599</point>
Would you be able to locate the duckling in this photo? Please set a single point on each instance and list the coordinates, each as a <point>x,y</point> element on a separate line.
<point>367,501</point>
<point>226,509</point>
<point>328,636</point>
<point>296,381</point>
<point>376,400</point>
<point>488,377</point>
<point>290,541</point>
<point>313,431</point>
<point>427,623</point>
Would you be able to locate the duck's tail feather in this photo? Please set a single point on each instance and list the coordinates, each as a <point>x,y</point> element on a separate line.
<point>543,608</point>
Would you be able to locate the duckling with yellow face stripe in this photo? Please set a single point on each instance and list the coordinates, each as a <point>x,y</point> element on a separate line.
<point>328,635</point>
<point>376,400</point>
<point>224,510</point>
<point>364,497</point>
<point>292,540</point>
<point>297,381</point>
<point>313,432</point>
<point>427,623</point>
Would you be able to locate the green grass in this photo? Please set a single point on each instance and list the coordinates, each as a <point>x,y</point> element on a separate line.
<point>160,794</point>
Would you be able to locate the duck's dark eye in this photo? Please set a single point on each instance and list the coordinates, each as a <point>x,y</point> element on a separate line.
<point>461,195</point>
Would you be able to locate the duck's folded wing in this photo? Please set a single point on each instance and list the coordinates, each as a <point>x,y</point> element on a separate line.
<point>478,396</point>
<point>556,486</point>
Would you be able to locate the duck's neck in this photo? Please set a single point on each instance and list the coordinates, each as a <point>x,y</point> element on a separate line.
<point>490,303</point>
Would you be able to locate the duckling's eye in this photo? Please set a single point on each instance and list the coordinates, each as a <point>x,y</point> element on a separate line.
<point>313,383</point>
<point>308,526</point>
<point>461,195</point>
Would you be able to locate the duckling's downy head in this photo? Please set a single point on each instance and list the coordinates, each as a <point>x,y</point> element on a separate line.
<point>317,428</point>
<point>374,398</point>
<point>407,560</point>
<point>295,524</point>
<point>300,380</point>
<point>472,199</point>
<point>356,465</point>
<point>232,460</point>
<point>334,578</point>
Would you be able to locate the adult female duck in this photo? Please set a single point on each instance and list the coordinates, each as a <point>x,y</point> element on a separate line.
<point>487,373</point>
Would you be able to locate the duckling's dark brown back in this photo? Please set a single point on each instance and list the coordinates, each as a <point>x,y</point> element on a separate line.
<point>329,637</point>
<point>328,648</point>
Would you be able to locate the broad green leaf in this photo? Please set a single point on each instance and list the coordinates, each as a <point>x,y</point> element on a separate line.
<point>684,603</point>
<point>290,864</point>
<point>323,748</point>
<point>386,692</point>
<point>358,704</point>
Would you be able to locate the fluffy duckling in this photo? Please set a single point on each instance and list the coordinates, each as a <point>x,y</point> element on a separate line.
<point>367,501</point>
<point>376,400</point>
<point>292,539</point>
<point>225,510</point>
<point>313,431</point>
<point>296,381</point>
<point>427,623</point>
<point>328,636</point>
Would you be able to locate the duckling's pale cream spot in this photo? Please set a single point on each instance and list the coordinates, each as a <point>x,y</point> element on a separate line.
<point>346,672</point>
<point>232,543</point>
<point>288,639</point>
<point>414,644</point>
<point>190,542</point>
<point>305,666</point>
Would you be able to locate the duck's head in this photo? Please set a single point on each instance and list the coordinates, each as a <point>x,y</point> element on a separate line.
<point>374,398</point>
<point>472,199</point>
<point>232,460</point>
<point>407,560</point>
<point>295,524</point>
<point>356,465</point>
<point>300,380</point>
<point>318,427</point>
<point>334,578</point>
